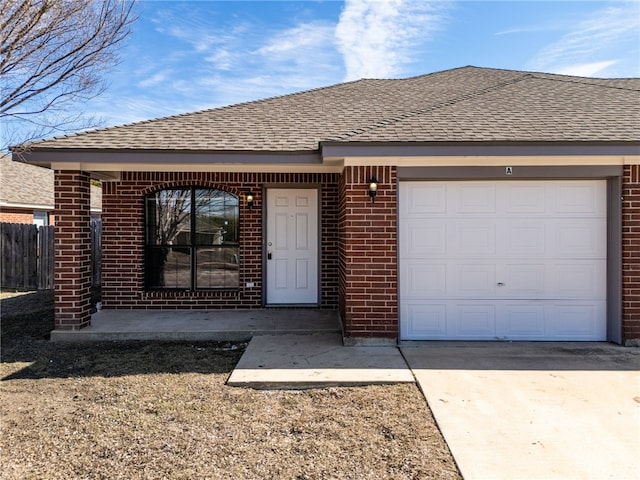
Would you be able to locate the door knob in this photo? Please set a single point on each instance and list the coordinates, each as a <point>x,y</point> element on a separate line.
<point>500,284</point>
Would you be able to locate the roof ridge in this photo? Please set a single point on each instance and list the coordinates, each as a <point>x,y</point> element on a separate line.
<point>554,77</point>
<point>414,113</point>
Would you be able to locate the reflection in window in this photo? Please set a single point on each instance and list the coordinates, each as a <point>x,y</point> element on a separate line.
<point>191,239</point>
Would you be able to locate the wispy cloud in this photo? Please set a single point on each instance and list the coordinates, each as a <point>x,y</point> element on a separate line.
<point>547,26</point>
<point>590,45</point>
<point>154,80</point>
<point>586,69</point>
<point>375,36</point>
<point>237,58</point>
<point>295,40</point>
<point>302,56</point>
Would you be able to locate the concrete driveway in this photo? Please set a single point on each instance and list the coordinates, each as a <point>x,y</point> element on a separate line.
<point>534,410</point>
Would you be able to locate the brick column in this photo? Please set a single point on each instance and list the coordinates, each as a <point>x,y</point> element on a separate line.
<point>72,250</point>
<point>368,256</point>
<point>631,255</point>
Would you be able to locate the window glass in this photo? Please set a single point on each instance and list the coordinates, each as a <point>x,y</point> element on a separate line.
<point>41,219</point>
<point>169,217</point>
<point>217,267</point>
<point>216,217</point>
<point>168,267</point>
<point>192,239</point>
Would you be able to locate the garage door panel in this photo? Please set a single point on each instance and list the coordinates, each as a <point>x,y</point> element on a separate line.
<point>525,198</point>
<point>424,238</point>
<point>581,198</point>
<point>579,280</point>
<point>472,238</point>
<point>475,197</point>
<point>475,320</point>
<point>424,279</point>
<point>523,280</point>
<point>523,321</point>
<point>582,238</point>
<point>471,280</point>
<point>519,260</point>
<point>525,238</point>
<point>425,319</point>
<point>579,321</point>
<point>423,198</point>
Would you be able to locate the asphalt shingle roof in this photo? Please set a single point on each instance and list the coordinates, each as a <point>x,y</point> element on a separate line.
<point>24,184</point>
<point>466,104</point>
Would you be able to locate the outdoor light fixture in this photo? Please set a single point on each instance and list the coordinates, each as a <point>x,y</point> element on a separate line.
<point>250,200</point>
<point>373,188</point>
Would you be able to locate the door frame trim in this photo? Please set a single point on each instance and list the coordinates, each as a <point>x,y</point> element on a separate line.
<point>288,186</point>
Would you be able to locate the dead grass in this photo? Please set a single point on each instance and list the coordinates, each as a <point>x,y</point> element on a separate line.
<point>150,410</point>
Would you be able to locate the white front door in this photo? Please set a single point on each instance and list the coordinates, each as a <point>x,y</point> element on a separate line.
<point>292,246</point>
<point>513,260</point>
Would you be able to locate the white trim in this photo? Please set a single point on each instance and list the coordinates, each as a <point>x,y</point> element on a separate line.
<point>111,171</point>
<point>29,206</point>
<point>491,161</point>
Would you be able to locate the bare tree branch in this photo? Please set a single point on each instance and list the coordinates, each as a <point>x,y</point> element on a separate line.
<point>53,53</point>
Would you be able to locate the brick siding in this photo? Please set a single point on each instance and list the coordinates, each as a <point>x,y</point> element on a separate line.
<point>368,254</point>
<point>123,238</point>
<point>19,215</point>
<point>72,273</point>
<point>15,215</point>
<point>631,255</point>
<point>358,247</point>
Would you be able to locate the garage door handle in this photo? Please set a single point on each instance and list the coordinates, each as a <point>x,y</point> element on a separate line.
<point>500,284</point>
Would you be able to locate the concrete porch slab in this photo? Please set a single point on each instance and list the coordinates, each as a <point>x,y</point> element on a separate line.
<point>200,325</point>
<point>318,360</point>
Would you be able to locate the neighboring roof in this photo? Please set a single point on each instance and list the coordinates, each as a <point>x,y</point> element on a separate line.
<point>25,184</point>
<point>467,104</point>
<point>29,186</point>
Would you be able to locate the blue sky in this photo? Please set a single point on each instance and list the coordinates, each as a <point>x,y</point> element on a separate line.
<point>186,56</point>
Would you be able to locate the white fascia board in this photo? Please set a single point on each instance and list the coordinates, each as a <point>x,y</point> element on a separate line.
<point>29,206</point>
<point>167,159</point>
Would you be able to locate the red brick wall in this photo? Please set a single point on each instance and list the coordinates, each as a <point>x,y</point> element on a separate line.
<point>15,215</point>
<point>19,215</point>
<point>123,238</point>
<point>631,254</point>
<point>368,254</point>
<point>72,274</point>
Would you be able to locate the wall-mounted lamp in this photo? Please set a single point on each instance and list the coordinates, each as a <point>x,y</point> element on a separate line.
<point>373,188</point>
<point>250,200</point>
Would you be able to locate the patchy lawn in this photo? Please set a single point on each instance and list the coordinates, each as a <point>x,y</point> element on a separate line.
<point>141,410</point>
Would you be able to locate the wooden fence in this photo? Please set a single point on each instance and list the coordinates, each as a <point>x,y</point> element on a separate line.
<point>27,256</point>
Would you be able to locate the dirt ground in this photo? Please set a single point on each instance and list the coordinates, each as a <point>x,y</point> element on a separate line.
<point>153,410</point>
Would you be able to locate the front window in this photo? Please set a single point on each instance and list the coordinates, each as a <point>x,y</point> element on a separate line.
<point>191,239</point>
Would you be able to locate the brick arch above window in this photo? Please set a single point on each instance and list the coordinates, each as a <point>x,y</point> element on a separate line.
<point>168,185</point>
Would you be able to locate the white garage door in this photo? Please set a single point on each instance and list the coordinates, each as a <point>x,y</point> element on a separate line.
<point>513,260</point>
